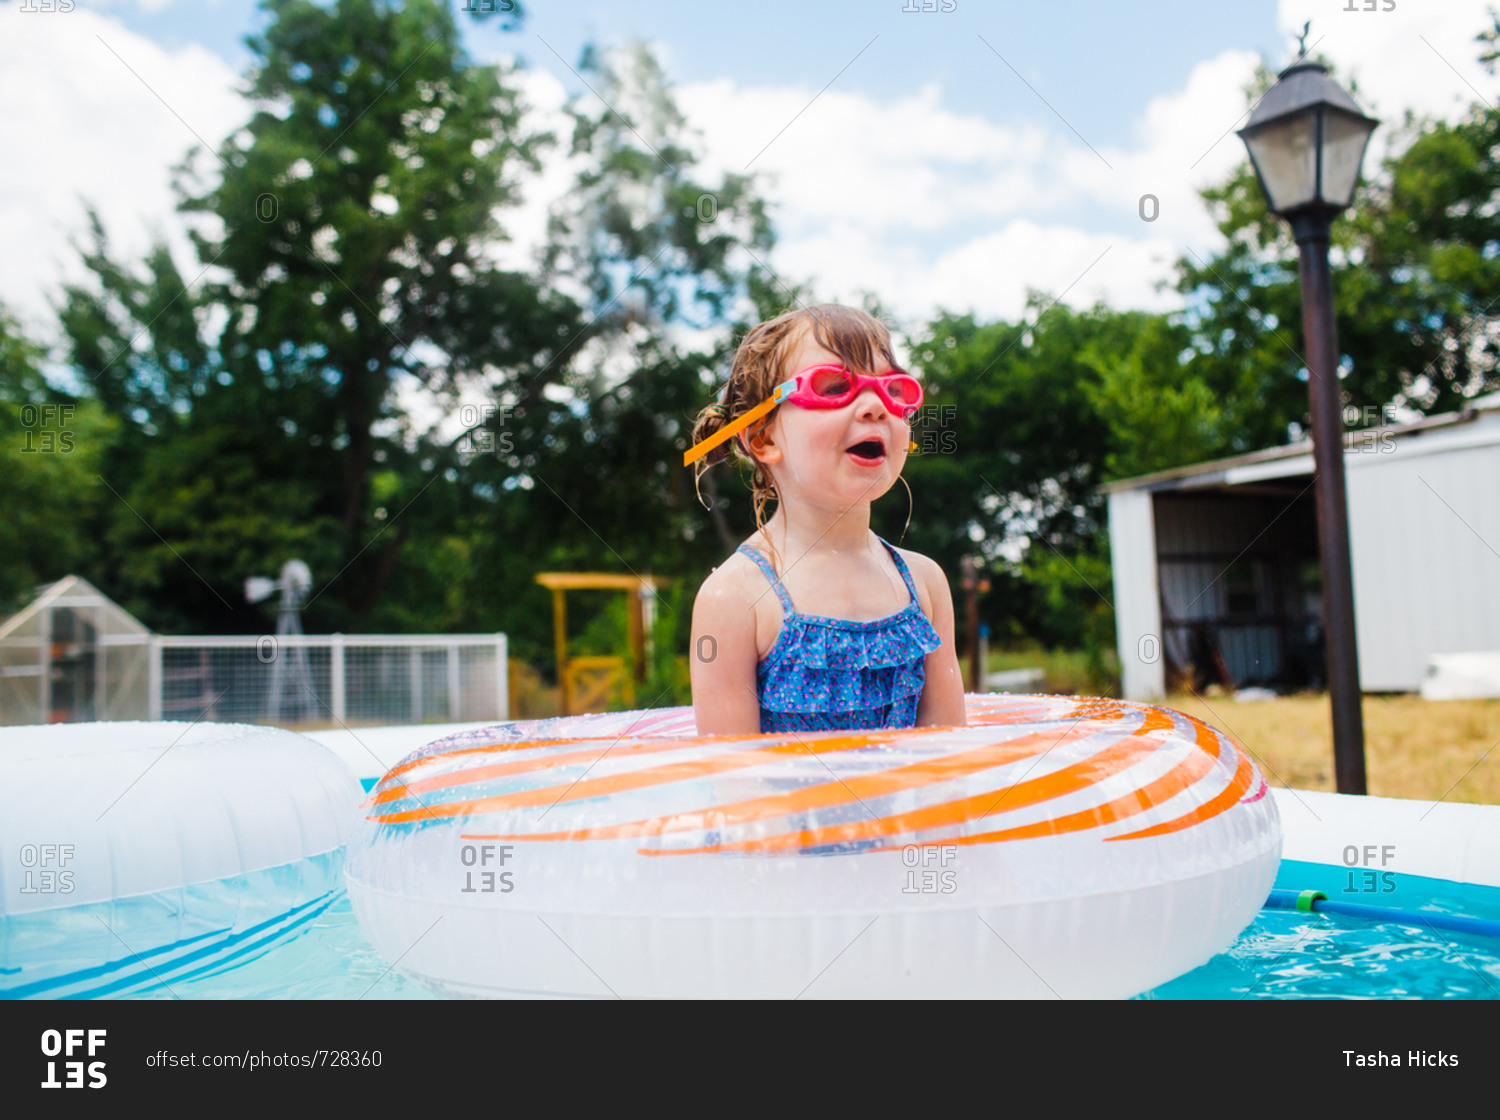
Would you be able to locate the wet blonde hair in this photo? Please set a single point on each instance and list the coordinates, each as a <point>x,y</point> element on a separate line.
<point>861,342</point>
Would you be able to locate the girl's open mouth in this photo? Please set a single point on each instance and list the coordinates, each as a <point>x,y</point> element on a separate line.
<point>868,452</point>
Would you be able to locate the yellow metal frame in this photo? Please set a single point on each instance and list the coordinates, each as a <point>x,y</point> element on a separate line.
<point>570,671</point>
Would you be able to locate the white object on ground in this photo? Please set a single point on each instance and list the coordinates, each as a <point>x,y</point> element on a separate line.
<point>1007,679</point>
<point>1250,695</point>
<point>1462,676</point>
<point>1054,847</point>
<point>134,853</point>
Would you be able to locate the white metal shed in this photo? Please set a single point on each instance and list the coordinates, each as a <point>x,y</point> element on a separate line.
<point>1215,564</point>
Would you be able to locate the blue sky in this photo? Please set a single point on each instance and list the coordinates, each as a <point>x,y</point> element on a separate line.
<point>1096,62</point>
<point>943,160</point>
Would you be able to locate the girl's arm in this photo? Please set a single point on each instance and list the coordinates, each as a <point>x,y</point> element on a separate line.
<point>942,703</point>
<point>723,656</point>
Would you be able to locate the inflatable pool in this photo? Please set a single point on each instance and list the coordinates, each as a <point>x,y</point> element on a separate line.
<point>1055,847</point>
<point>140,854</point>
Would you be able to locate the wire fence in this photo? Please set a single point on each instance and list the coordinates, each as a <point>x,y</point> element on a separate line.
<point>332,679</point>
<point>55,675</point>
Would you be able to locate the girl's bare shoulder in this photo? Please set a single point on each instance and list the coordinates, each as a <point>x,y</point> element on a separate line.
<point>931,580</point>
<point>733,582</point>
<point>731,607</point>
<point>926,565</point>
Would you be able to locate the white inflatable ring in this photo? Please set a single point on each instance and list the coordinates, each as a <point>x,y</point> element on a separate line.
<point>140,854</point>
<point>1055,847</point>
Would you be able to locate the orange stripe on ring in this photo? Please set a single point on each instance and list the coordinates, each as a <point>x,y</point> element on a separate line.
<point>529,765</point>
<point>1225,800</point>
<point>1174,781</point>
<point>1080,775</point>
<point>635,779</point>
<point>829,794</point>
<point>489,748</point>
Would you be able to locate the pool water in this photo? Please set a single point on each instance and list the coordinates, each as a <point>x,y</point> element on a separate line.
<point>1282,954</point>
<point>1285,954</point>
<point>331,960</point>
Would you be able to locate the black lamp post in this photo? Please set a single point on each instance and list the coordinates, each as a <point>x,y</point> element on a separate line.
<point>1307,139</point>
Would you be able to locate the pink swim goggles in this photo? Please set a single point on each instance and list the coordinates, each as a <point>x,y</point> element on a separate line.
<point>822,386</point>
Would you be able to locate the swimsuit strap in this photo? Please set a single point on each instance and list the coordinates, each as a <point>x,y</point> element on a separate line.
<point>901,567</point>
<point>765,566</point>
<point>786,599</point>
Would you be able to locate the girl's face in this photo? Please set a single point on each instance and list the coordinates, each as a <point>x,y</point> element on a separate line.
<point>832,456</point>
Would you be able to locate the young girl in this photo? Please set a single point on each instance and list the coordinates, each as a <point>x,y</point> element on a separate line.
<point>816,623</point>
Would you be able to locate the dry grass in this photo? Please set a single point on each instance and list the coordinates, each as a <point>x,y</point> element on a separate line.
<point>530,698</point>
<point>1422,749</point>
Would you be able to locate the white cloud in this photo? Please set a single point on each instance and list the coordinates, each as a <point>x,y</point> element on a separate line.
<point>931,208</point>
<point>80,126</point>
<point>151,7</point>
<point>927,206</point>
<point>526,223</point>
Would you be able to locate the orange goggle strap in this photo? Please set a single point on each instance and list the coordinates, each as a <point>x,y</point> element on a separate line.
<point>739,424</point>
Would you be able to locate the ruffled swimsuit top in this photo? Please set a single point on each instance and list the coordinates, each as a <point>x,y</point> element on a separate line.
<point>832,674</point>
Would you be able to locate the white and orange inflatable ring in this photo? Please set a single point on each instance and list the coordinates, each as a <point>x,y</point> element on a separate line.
<point>1054,847</point>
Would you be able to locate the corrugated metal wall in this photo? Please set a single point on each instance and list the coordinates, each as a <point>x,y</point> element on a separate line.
<point>1424,523</point>
<point>1235,572</point>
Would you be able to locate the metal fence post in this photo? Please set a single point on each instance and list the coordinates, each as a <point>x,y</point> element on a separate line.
<point>336,674</point>
<point>153,678</point>
<point>502,680</point>
<point>416,684</point>
<point>453,683</point>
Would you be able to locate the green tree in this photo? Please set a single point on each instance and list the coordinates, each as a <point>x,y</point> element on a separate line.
<point>588,470</point>
<point>1416,278</point>
<point>353,216</point>
<point>1159,412</point>
<point>1021,423</point>
<point>51,445</point>
<point>379,157</point>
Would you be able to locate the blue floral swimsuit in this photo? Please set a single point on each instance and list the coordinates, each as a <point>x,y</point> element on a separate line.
<point>828,674</point>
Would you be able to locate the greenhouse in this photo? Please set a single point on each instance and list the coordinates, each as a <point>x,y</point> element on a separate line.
<point>73,654</point>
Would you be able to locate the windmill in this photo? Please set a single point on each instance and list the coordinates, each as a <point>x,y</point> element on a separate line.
<point>294,584</point>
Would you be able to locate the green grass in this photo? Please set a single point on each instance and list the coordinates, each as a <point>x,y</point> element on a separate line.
<point>1068,671</point>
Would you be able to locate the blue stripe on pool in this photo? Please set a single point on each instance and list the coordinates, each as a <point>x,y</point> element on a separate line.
<point>39,987</point>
